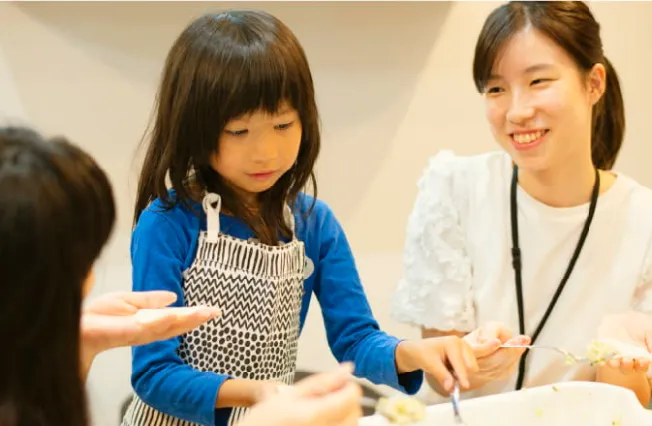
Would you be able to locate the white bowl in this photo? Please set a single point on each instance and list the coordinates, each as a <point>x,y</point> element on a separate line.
<point>563,404</point>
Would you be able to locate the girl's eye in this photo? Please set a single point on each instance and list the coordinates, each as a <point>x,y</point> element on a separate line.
<point>284,126</point>
<point>236,132</point>
<point>540,80</point>
<point>492,90</point>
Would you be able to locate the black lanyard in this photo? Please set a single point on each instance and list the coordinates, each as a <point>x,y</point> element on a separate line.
<point>517,263</point>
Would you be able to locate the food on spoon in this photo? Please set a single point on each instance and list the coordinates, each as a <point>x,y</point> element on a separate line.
<point>401,410</point>
<point>597,353</point>
<point>600,351</point>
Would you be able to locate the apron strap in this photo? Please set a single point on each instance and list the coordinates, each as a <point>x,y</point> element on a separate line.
<point>212,215</point>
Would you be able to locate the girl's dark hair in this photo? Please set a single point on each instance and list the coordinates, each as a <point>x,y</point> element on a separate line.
<point>222,66</point>
<point>572,26</point>
<point>56,214</point>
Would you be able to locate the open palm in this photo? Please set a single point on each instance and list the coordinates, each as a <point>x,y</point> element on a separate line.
<point>136,318</point>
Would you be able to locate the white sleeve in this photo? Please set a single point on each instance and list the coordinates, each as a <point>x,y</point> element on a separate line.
<point>435,289</point>
<point>642,300</point>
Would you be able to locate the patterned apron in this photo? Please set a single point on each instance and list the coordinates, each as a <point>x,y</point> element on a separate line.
<point>259,289</point>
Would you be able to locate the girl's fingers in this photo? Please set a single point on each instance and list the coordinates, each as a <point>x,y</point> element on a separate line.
<point>455,356</point>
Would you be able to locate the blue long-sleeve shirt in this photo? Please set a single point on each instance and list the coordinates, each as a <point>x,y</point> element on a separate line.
<point>164,243</point>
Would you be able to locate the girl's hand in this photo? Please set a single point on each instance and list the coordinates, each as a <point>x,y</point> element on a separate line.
<point>437,356</point>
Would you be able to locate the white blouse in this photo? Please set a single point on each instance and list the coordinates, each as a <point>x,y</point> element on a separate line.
<point>458,268</point>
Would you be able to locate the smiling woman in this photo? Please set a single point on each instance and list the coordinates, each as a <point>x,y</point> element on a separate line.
<point>518,241</point>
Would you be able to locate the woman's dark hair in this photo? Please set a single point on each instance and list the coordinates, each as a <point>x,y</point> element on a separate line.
<point>56,214</point>
<point>223,66</point>
<point>572,26</point>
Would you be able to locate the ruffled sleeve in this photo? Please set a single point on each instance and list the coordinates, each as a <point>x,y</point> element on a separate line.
<point>642,300</point>
<point>435,291</point>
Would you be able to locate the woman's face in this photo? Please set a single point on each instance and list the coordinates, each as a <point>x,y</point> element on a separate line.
<point>539,104</point>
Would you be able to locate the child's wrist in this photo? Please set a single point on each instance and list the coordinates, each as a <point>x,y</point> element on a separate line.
<point>405,359</point>
<point>244,392</point>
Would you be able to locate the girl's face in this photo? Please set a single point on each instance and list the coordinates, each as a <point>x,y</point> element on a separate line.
<point>256,149</point>
<point>538,103</point>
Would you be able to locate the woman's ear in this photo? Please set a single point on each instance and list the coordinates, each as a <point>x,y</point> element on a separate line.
<point>597,83</point>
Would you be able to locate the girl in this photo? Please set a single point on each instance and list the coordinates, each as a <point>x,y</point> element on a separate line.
<point>541,238</point>
<point>56,214</point>
<point>236,132</point>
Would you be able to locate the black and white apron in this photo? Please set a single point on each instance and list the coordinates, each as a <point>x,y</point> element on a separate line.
<point>259,289</point>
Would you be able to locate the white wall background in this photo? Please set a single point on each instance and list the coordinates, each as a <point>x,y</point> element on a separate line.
<point>393,83</point>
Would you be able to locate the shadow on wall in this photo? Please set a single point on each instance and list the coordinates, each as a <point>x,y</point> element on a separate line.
<point>366,58</point>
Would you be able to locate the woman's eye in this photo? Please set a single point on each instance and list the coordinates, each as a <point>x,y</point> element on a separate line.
<point>492,90</point>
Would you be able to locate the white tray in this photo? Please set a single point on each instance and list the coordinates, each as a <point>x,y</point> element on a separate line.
<point>563,404</point>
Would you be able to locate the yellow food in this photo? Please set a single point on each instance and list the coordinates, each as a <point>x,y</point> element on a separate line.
<point>598,352</point>
<point>401,410</point>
